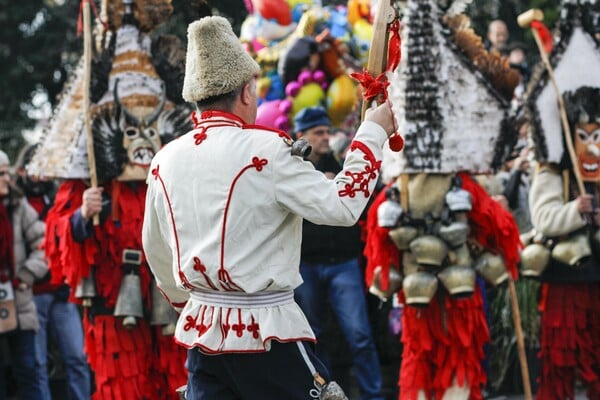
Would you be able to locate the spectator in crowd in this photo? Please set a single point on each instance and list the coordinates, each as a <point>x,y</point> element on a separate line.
<point>497,35</point>
<point>329,264</point>
<point>339,141</point>
<point>21,263</point>
<point>57,316</point>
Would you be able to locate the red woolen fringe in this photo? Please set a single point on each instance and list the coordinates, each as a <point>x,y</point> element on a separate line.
<point>169,365</point>
<point>120,358</point>
<point>443,341</point>
<point>492,225</point>
<point>570,340</point>
<point>379,249</point>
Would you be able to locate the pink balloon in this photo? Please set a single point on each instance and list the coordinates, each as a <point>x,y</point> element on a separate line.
<point>292,88</point>
<point>319,76</point>
<point>285,106</point>
<point>270,114</point>
<point>305,77</point>
<point>282,122</point>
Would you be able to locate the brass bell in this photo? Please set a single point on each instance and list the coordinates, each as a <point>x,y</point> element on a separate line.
<point>419,288</point>
<point>403,235</point>
<point>459,280</point>
<point>534,259</point>
<point>492,268</point>
<point>86,289</point>
<point>454,234</point>
<point>409,263</point>
<point>394,283</point>
<point>129,300</point>
<point>573,250</point>
<point>161,313</point>
<point>429,250</point>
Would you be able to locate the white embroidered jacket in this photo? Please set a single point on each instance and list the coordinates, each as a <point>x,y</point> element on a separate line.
<point>223,226</point>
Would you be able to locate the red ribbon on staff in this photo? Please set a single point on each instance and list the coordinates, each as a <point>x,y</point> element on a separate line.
<point>80,16</point>
<point>377,86</point>
<point>544,33</point>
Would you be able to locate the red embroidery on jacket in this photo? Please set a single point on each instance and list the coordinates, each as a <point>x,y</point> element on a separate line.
<point>253,328</point>
<point>224,277</point>
<point>200,137</point>
<point>184,280</point>
<point>201,328</point>
<point>198,266</point>
<point>279,132</point>
<point>225,327</point>
<point>190,322</point>
<point>240,326</point>
<point>361,179</point>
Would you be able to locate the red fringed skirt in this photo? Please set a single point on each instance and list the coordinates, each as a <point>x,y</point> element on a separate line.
<point>570,340</point>
<point>443,342</point>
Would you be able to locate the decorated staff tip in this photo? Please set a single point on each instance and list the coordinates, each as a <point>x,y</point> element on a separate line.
<point>525,19</point>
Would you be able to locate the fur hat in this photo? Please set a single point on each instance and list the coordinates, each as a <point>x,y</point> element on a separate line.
<point>4,158</point>
<point>216,62</point>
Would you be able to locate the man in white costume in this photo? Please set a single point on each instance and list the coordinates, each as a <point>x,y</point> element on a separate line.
<point>223,227</point>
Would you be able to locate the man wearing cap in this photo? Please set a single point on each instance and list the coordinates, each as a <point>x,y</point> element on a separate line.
<point>223,226</point>
<point>330,269</point>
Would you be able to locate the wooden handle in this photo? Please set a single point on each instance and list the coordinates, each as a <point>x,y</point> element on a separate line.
<point>379,41</point>
<point>87,59</point>
<point>520,341</point>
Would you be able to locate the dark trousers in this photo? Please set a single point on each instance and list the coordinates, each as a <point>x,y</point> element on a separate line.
<point>281,373</point>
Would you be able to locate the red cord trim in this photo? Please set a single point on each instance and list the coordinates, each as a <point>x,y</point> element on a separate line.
<point>224,277</point>
<point>361,179</point>
<point>200,267</point>
<point>156,174</point>
<point>280,133</point>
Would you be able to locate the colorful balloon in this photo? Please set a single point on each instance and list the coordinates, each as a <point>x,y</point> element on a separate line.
<point>278,10</point>
<point>274,114</point>
<point>309,96</point>
<point>341,99</point>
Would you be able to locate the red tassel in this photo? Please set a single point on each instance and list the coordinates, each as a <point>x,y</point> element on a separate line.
<point>396,142</point>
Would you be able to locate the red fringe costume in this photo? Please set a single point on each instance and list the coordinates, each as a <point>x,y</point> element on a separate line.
<point>128,364</point>
<point>570,340</point>
<point>445,340</point>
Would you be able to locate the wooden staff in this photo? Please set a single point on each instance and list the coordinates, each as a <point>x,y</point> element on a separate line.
<point>525,20</point>
<point>520,341</point>
<point>379,41</point>
<point>87,72</point>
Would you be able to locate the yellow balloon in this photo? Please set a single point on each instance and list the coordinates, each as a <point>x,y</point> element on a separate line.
<point>363,31</point>
<point>310,95</point>
<point>341,99</point>
<point>262,86</point>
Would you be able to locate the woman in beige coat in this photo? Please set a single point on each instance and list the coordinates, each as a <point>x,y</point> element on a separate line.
<point>21,263</point>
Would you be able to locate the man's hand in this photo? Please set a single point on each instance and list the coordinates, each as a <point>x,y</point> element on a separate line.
<point>92,202</point>
<point>382,115</point>
<point>584,204</point>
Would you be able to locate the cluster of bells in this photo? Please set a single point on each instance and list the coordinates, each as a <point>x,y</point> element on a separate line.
<point>129,303</point>
<point>539,250</point>
<point>436,253</point>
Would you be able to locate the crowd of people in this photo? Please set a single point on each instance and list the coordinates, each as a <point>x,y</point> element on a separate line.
<point>211,257</point>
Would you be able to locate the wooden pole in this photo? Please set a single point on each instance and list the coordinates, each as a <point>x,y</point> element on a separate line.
<point>379,41</point>
<point>87,59</point>
<point>520,341</point>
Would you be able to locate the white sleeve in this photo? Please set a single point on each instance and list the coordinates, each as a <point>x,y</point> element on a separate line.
<point>307,193</point>
<point>550,213</point>
<point>157,249</point>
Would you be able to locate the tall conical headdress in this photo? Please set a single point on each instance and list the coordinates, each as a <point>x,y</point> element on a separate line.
<point>575,59</point>
<point>135,93</point>
<point>449,95</point>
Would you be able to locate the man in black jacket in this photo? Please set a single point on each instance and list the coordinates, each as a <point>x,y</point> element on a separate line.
<point>330,267</point>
